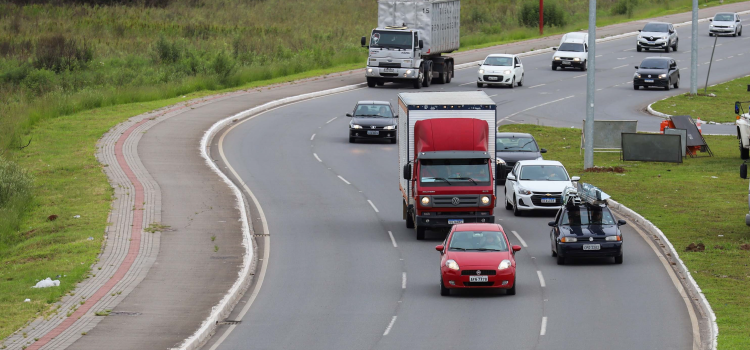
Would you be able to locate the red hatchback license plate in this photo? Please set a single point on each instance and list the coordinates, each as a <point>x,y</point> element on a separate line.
<point>478,279</point>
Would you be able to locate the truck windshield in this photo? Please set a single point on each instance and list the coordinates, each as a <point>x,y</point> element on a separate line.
<point>571,47</point>
<point>391,40</point>
<point>582,216</point>
<point>515,144</point>
<point>454,172</point>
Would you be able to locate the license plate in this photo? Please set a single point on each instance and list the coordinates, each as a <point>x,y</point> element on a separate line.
<point>591,247</point>
<point>648,80</point>
<point>373,132</point>
<point>478,279</point>
<point>455,221</point>
<point>549,200</point>
<point>389,70</point>
<point>566,63</point>
<point>491,78</point>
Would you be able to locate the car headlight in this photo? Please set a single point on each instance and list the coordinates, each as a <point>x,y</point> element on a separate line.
<point>523,191</point>
<point>425,200</point>
<point>506,72</point>
<point>731,26</point>
<point>613,238</point>
<point>499,161</point>
<point>576,59</point>
<point>452,264</point>
<point>389,127</point>
<point>408,71</point>
<point>481,71</point>
<point>369,70</point>
<point>557,58</point>
<point>355,126</point>
<point>662,76</point>
<point>568,239</point>
<point>504,265</point>
<point>485,200</point>
<point>637,75</point>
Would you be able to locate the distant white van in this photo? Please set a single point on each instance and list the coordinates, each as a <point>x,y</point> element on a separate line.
<point>576,37</point>
<point>573,52</point>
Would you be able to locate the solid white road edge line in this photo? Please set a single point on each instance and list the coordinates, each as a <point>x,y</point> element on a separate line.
<point>543,331</point>
<point>373,207</point>
<point>523,243</point>
<point>403,280</point>
<point>343,179</point>
<point>390,325</point>
<point>393,239</point>
<point>618,67</point>
<point>532,107</point>
<point>541,278</point>
<point>316,157</point>
<point>471,82</point>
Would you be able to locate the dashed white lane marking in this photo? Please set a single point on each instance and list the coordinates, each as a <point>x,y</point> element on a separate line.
<point>543,331</point>
<point>471,82</point>
<point>523,243</point>
<point>318,158</point>
<point>599,89</point>
<point>536,86</point>
<point>312,137</point>
<point>683,68</point>
<point>719,60</point>
<point>578,76</point>
<point>541,278</point>
<point>343,179</point>
<point>403,280</point>
<point>621,58</point>
<point>493,95</point>
<point>393,240</point>
<point>730,57</point>
<point>628,50</point>
<point>618,67</point>
<point>332,119</point>
<point>597,56</point>
<point>530,108</point>
<point>390,325</point>
<point>371,204</point>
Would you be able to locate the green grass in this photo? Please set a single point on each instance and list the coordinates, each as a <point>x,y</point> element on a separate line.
<point>718,109</point>
<point>702,200</point>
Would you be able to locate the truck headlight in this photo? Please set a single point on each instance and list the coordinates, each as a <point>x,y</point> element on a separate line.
<point>355,126</point>
<point>481,71</point>
<point>452,264</point>
<point>576,59</point>
<point>557,58</point>
<point>662,76</point>
<point>504,265</point>
<point>425,200</point>
<point>485,200</point>
<point>568,239</point>
<point>389,127</point>
<point>506,72</point>
<point>369,70</point>
<point>523,191</point>
<point>408,72</point>
<point>613,238</point>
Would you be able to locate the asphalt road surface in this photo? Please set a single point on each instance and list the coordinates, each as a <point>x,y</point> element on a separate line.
<point>345,273</point>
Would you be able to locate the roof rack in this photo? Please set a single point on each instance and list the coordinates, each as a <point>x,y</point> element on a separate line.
<point>584,194</point>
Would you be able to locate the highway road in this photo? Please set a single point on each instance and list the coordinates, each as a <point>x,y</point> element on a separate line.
<point>343,272</point>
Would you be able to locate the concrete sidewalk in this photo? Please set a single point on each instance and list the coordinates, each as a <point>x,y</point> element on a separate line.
<point>161,283</point>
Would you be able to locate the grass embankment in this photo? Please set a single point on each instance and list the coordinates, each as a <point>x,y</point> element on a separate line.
<point>702,200</point>
<point>718,109</point>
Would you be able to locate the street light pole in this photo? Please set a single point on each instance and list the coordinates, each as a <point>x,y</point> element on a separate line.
<point>588,132</point>
<point>541,17</point>
<point>694,52</point>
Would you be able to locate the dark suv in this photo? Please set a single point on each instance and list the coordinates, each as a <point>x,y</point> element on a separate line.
<point>510,147</point>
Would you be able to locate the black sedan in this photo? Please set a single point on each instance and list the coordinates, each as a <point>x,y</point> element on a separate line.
<point>372,120</point>
<point>510,147</point>
<point>658,72</point>
<point>586,231</point>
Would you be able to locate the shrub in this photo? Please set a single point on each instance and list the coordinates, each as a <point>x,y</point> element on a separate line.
<point>166,51</point>
<point>58,53</point>
<point>39,81</point>
<point>223,65</point>
<point>624,7</point>
<point>553,15</point>
<point>15,183</point>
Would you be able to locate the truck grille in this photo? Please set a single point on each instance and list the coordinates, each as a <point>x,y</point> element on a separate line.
<point>389,64</point>
<point>463,201</point>
<point>474,272</point>
<point>537,199</point>
<point>388,74</point>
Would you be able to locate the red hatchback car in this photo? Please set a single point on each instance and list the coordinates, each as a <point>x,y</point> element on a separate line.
<point>477,256</point>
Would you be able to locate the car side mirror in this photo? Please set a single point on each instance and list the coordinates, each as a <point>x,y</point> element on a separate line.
<point>551,224</point>
<point>743,171</point>
<point>621,222</point>
<point>363,41</point>
<point>554,49</point>
<point>543,150</point>
<point>440,248</point>
<point>671,32</point>
<point>737,106</point>
<point>511,177</point>
<point>407,172</point>
<point>516,248</point>
<point>421,44</point>
<point>479,65</point>
<point>639,30</point>
<point>395,115</point>
<point>710,19</point>
<point>518,66</point>
<point>349,115</point>
<point>738,21</point>
<point>636,67</point>
<point>575,178</point>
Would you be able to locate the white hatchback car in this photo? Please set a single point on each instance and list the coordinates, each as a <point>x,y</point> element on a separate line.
<point>536,185</point>
<point>500,69</point>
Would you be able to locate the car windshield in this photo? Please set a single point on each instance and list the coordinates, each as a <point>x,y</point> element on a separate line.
<point>391,40</point>
<point>724,17</point>
<point>454,172</point>
<point>378,111</point>
<point>515,144</point>
<point>654,64</point>
<point>656,27</point>
<point>498,61</point>
<point>478,240</point>
<point>571,47</point>
<point>582,216</point>
<point>543,173</point>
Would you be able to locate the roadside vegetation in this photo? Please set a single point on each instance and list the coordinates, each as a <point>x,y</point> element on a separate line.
<point>719,108</point>
<point>702,201</point>
<point>72,69</point>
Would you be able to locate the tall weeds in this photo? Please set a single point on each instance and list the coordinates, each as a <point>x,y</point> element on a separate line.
<point>15,195</point>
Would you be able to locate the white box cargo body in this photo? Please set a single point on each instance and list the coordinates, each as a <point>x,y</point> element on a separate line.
<point>418,106</point>
<point>438,21</point>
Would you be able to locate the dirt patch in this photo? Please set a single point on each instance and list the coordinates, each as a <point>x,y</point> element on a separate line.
<point>745,246</point>
<point>695,248</point>
<point>611,169</point>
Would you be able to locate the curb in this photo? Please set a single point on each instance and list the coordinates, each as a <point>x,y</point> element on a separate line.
<point>678,265</point>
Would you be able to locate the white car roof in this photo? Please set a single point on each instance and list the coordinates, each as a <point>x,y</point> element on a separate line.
<point>574,41</point>
<point>500,55</point>
<point>539,162</point>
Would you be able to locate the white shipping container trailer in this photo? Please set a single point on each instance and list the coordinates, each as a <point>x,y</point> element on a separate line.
<point>409,41</point>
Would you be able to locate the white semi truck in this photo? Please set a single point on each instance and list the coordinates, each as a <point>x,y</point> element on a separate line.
<point>409,40</point>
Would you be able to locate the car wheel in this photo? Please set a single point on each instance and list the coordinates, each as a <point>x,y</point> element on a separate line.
<point>677,84</point>
<point>351,139</point>
<point>516,212</point>
<point>552,247</point>
<point>554,67</point>
<point>666,49</point>
<point>513,82</point>
<point>420,232</point>
<point>371,82</point>
<point>444,291</point>
<point>744,154</point>
<point>636,87</point>
<point>393,140</point>
<point>618,259</point>
<point>512,290</point>
<point>710,34</point>
<point>674,48</point>
<point>740,33</point>
<point>560,260</point>
<point>381,83</point>
<point>520,82</point>
<point>735,32</point>
<point>585,66</point>
<point>508,206</point>
<point>668,87</point>
<point>479,85</point>
<point>638,48</point>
